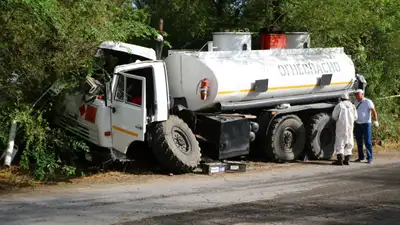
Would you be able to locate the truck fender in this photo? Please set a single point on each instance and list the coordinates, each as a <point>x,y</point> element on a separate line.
<point>188,116</point>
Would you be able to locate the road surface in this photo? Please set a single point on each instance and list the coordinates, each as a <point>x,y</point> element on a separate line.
<point>306,194</point>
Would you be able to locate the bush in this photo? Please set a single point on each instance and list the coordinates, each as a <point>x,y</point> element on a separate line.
<point>44,41</point>
<point>389,120</point>
<point>47,152</point>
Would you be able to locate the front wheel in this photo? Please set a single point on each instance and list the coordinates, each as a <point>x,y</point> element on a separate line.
<point>286,139</point>
<point>175,146</point>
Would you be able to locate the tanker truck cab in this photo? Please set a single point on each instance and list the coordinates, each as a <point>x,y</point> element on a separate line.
<point>139,97</point>
<point>130,106</point>
<point>139,104</point>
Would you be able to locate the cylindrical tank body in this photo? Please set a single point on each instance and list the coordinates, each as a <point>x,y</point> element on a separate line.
<point>232,41</point>
<point>296,40</point>
<point>232,75</point>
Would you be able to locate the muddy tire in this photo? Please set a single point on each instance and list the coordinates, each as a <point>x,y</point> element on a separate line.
<point>321,136</point>
<point>286,139</point>
<point>175,146</point>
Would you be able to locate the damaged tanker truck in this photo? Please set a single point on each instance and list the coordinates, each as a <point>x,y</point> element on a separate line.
<point>273,102</point>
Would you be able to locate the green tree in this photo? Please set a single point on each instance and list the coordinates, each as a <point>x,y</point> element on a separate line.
<point>43,41</point>
<point>370,34</point>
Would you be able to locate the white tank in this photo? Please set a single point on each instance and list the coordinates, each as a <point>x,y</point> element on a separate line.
<point>297,40</point>
<point>232,41</point>
<point>232,75</point>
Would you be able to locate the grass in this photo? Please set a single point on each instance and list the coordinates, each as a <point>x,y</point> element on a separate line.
<point>387,146</point>
<point>12,179</point>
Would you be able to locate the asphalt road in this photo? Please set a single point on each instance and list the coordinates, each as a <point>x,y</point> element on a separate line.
<point>311,194</point>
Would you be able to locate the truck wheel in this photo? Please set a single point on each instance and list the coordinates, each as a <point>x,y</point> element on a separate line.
<point>321,137</point>
<point>286,139</point>
<point>175,146</point>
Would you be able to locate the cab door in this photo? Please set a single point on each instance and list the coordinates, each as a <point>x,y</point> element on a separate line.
<point>128,115</point>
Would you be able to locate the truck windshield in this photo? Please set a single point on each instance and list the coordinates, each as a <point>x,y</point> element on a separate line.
<point>106,60</point>
<point>104,64</point>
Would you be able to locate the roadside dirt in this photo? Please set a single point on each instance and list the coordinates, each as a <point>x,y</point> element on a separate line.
<point>12,180</point>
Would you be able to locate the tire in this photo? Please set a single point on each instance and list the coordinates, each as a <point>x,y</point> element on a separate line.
<point>260,147</point>
<point>321,137</point>
<point>167,148</point>
<point>291,129</point>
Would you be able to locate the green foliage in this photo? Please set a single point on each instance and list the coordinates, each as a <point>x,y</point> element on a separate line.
<point>44,41</point>
<point>389,119</point>
<point>50,39</point>
<point>369,31</point>
<point>48,152</point>
<point>192,24</point>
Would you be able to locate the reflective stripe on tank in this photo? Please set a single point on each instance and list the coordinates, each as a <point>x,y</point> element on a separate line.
<point>282,88</point>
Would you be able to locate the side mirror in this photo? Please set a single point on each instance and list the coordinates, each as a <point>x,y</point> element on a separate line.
<point>109,86</point>
<point>107,77</point>
<point>106,90</point>
<point>361,81</point>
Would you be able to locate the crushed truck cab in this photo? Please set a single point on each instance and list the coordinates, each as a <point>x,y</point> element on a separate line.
<point>137,93</point>
<point>275,103</point>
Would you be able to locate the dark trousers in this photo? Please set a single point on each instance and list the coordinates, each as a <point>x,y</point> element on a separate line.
<point>363,133</point>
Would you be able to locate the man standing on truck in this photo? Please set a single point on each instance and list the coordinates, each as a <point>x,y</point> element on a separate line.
<point>363,128</point>
<point>344,113</point>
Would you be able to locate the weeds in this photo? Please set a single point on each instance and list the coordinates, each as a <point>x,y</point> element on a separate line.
<point>46,152</point>
<point>389,119</point>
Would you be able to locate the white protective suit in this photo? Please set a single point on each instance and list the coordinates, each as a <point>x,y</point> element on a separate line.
<point>345,114</point>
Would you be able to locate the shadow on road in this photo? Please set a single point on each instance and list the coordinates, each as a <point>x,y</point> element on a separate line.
<point>370,198</point>
<point>285,213</point>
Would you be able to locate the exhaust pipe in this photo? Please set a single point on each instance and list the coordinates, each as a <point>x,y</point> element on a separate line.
<point>160,40</point>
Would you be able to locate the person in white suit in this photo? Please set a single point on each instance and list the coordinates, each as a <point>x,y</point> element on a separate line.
<point>345,114</point>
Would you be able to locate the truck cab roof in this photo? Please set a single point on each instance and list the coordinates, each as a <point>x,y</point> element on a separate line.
<point>131,49</point>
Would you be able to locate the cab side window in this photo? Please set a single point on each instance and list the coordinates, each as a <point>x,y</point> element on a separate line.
<point>120,92</point>
<point>133,91</point>
<point>129,90</point>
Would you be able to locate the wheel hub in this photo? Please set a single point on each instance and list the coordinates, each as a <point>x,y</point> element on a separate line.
<point>180,140</point>
<point>288,139</point>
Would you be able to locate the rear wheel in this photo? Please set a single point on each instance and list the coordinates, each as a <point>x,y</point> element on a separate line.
<point>321,137</point>
<point>175,146</point>
<point>286,139</point>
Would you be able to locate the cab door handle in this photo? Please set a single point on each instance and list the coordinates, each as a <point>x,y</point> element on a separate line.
<point>112,109</point>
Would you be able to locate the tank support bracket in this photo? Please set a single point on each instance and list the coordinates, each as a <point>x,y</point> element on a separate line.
<point>325,80</point>
<point>261,85</point>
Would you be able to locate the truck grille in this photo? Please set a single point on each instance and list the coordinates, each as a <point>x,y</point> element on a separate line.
<point>80,128</point>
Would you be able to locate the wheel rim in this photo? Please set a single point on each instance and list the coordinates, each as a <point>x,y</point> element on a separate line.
<point>288,139</point>
<point>181,140</point>
<point>326,137</point>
